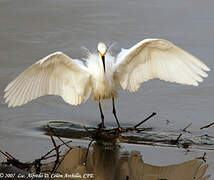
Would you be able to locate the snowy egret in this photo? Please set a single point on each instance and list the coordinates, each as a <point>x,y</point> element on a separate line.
<point>101,74</point>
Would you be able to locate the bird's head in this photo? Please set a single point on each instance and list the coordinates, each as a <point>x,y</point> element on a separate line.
<point>102,49</point>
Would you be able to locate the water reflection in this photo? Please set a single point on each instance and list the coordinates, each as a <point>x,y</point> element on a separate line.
<point>107,162</point>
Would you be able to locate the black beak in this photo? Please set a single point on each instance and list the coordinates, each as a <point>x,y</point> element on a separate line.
<point>104,66</point>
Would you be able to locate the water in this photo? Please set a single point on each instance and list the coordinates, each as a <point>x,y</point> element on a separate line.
<point>31,30</point>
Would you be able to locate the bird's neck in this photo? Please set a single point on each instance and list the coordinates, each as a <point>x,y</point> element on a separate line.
<point>103,63</point>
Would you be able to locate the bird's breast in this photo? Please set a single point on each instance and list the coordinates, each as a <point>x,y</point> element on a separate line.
<point>102,82</point>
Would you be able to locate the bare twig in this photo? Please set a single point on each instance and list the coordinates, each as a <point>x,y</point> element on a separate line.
<point>101,134</point>
<point>86,157</point>
<point>15,162</point>
<point>5,154</point>
<point>89,133</point>
<point>10,155</point>
<point>178,137</point>
<point>56,148</point>
<point>63,142</point>
<point>36,163</point>
<point>207,126</point>
<point>153,114</point>
<point>203,157</point>
<point>44,157</point>
<point>184,129</point>
<point>176,141</point>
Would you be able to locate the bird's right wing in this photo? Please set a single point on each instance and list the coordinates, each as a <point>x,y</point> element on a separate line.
<point>157,58</point>
<point>56,74</point>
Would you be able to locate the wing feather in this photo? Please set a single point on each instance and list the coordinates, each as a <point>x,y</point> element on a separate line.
<point>56,74</point>
<point>157,58</point>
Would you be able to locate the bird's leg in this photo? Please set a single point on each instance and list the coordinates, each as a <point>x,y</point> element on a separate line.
<point>102,117</point>
<point>115,115</point>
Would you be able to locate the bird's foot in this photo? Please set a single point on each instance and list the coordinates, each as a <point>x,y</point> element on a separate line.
<point>119,129</point>
<point>101,126</point>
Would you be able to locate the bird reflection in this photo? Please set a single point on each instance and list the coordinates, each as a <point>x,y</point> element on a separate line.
<point>106,162</point>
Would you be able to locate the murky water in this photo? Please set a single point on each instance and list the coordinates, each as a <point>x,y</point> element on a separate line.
<point>30,30</point>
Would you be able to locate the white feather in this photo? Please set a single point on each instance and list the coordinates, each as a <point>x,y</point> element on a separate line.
<point>56,74</point>
<point>75,80</point>
<point>157,58</point>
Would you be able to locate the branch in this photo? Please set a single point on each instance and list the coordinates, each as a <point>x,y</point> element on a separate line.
<point>56,148</point>
<point>207,126</point>
<point>153,114</point>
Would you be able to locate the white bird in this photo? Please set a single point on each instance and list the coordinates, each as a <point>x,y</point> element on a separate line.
<point>101,74</point>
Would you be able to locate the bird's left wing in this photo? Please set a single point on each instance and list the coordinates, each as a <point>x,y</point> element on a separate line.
<point>56,74</point>
<point>157,58</point>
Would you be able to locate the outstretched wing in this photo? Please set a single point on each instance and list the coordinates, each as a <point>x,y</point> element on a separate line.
<point>56,74</point>
<point>157,58</point>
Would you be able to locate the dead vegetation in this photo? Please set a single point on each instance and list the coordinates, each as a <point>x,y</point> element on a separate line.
<point>78,162</point>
